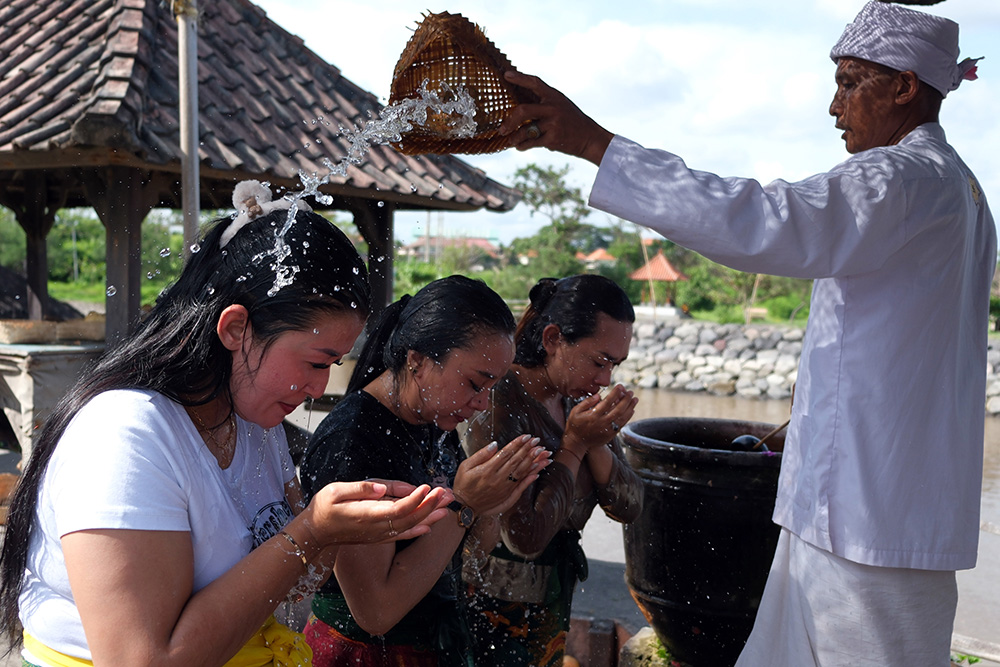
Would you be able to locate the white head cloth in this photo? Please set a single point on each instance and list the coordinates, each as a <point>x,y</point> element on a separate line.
<point>905,39</point>
<point>252,199</point>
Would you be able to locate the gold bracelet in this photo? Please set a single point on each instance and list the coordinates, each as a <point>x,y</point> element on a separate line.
<point>572,453</point>
<point>295,545</point>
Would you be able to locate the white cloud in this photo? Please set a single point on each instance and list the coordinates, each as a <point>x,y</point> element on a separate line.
<point>735,87</point>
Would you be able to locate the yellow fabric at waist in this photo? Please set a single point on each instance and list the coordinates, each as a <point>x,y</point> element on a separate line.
<point>274,645</point>
<point>50,656</point>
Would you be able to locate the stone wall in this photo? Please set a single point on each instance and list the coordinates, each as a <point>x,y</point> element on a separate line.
<point>753,361</point>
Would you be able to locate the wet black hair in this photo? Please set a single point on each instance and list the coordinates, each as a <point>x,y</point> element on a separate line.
<point>177,352</point>
<point>572,304</point>
<point>444,315</point>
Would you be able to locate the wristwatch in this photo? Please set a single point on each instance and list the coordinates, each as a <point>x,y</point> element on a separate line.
<point>466,515</point>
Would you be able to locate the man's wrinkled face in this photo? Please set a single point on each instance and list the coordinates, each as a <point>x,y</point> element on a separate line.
<point>864,104</point>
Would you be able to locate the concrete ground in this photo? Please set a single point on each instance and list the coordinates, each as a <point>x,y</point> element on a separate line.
<point>605,594</point>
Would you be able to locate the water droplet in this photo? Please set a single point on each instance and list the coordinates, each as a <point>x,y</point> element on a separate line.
<point>315,331</point>
<point>165,252</point>
<point>381,204</point>
<point>305,244</point>
<point>354,305</point>
<point>295,387</point>
<point>111,291</point>
<point>240,279</point>
<point>149,275</point>
<point>355,269</point>
<point>195,247</point>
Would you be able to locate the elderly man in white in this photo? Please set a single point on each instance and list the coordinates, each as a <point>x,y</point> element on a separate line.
<point>878,498</point>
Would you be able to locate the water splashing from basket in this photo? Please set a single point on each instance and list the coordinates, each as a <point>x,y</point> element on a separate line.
<point>446,111</point>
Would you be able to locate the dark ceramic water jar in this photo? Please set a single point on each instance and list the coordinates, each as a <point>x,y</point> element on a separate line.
<point>697,558</point>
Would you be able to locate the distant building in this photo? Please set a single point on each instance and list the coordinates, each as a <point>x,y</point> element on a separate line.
<point>658,269</point>
<point>527,257</point>
<point>433,248</point>
<point>597,259</point>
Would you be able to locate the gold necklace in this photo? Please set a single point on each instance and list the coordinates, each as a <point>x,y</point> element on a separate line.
<point>227,448</point>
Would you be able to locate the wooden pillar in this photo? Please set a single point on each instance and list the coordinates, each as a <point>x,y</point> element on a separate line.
<point>36,213</point>
<point>377,227</point>
<point>122,197</point>
<point>37,267</point>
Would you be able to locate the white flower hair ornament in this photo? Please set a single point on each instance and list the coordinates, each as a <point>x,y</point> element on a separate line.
<point>252,199</point>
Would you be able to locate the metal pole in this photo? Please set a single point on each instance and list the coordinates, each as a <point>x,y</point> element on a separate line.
<point>645,258</point>
<point>186,12</point>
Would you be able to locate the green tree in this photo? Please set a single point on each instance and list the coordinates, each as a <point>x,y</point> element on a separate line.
<point>552,250</point>
<point>411,274</point>
<point>162,250</point>
<point>546,193</point>
<point>13,245</point>
<point>75,247</point>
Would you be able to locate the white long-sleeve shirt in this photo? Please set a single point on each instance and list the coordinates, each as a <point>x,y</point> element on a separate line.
<point>883,457</point>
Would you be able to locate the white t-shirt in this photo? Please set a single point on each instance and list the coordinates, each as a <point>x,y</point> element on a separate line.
<point>134,460</point>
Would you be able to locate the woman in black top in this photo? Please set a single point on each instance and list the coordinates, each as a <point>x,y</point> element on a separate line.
<point>428,366</point>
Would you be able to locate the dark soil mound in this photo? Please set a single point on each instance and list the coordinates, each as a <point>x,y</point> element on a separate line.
<point>14,304</point>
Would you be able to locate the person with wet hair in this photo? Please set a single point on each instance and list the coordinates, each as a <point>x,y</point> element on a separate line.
<point>519,589</point>
<point>159,518</point>
<point>879,494</point>
<point>427,366</point>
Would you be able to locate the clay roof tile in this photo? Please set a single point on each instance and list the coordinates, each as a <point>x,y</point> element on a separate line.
<point>97,71</point>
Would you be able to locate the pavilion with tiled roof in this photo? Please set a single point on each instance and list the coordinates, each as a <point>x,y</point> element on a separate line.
<point>658,269</point>
<point>89,117</point>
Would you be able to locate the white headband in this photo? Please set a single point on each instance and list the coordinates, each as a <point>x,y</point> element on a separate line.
<point>904,39</point>
<point>252,199</point>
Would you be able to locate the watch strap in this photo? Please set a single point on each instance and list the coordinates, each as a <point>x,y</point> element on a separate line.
<point>466,515</point>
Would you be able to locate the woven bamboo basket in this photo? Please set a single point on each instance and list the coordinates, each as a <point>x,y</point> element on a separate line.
<point>448,48</point>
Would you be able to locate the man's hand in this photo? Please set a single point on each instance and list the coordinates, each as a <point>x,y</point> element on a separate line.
<point>554,123</point>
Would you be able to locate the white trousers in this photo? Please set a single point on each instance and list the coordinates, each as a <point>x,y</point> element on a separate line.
<point>824,611</point>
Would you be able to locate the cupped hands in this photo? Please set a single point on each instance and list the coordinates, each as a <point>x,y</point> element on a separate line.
<point>373,511</point>
<point>491,480</point>
<point>594,421</point>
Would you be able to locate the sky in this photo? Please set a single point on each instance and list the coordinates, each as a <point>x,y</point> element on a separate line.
<point>735,87</point>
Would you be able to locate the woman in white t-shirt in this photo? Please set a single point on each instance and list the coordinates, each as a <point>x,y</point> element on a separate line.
<point>159,519</point>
